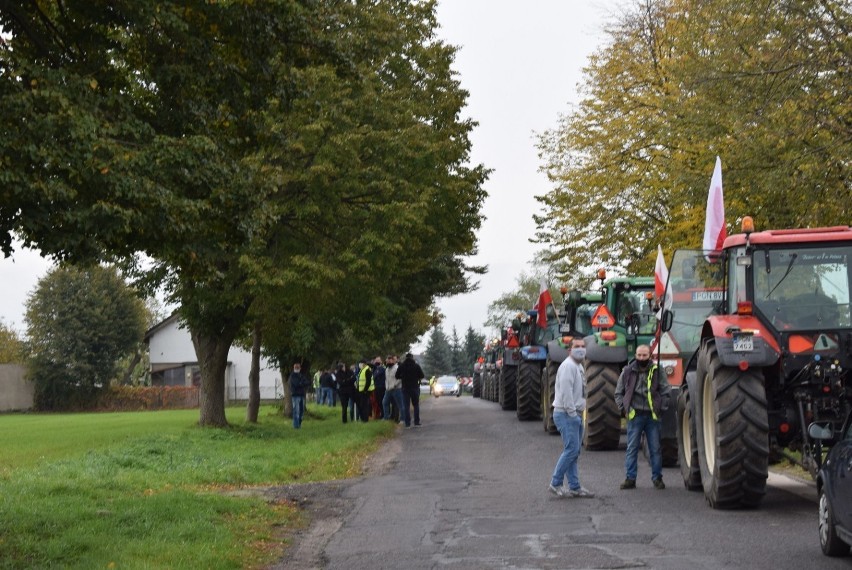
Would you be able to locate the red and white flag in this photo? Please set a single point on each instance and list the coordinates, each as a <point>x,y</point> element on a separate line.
<point>714,224</point>
<point>544,299</point>
<point>661,281</point>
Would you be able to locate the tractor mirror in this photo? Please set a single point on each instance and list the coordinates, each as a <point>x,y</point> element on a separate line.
<point>667,321</point>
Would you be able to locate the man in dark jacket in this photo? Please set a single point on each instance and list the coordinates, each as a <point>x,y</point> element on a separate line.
<point>378,392</point>
<point>298,384</point>
<point>364,380</point>
<point>410,374</point>
<point>346,389</point>
<point>642,394</point>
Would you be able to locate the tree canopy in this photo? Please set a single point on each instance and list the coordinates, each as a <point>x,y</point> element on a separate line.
<point>295,163</point>
<point>761,84</point>
<point>81,322</point>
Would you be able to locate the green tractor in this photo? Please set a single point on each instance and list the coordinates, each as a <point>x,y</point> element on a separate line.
<point>626,319</point>
<point>573,321</point>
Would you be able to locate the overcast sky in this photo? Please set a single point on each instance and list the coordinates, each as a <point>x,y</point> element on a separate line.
<point>521,61</point>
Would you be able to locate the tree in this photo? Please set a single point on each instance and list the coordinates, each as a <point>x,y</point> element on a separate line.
<point>11,346</point>
<point>473,344</point>
<point>681,81</point>
<point>80,322</point>
<point>438,358</point>
<point>502,310</point>
<point>244,148</point>
<point>459,358</point>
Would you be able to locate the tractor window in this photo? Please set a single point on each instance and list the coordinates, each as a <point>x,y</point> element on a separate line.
<point>583,320</point>
<point>801,288</point>
<point>636,302</point>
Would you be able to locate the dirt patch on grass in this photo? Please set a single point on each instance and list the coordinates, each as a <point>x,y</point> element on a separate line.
<point>324,510</point>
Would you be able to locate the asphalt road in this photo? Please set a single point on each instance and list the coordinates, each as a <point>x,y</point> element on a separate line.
<point>469,490</point>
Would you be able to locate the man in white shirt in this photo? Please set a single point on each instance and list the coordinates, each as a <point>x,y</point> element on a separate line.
<point>568,404</point>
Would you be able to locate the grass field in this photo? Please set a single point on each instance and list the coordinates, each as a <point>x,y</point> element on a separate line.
<point>147,489</point>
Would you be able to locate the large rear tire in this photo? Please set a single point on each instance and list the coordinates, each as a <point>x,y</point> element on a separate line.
<point>687,445</point>
<point>603,420</point>
<point>529,391</point>
<point>477,385</point>
<point>732,426</point>
<point>548,387</point>
<point>508,388</point>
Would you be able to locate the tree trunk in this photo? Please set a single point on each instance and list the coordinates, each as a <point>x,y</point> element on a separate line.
<point>254,377</point>
<point>287,408</point>
<point>212,353</point>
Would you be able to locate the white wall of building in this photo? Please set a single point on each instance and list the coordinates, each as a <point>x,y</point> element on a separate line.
<point>170,344</point>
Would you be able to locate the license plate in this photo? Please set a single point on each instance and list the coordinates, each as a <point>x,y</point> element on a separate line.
<point>743,343</point>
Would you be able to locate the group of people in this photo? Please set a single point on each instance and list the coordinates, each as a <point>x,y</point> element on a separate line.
<point>388,390</point>
<point>642,395</point>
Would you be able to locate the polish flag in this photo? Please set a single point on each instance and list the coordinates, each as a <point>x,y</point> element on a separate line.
<point>544,299</point>
<point>714,224</point>
<point>661,281</point>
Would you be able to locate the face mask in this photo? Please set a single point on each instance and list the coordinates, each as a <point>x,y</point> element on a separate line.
<point>578,353</point>
<point>643,364</point>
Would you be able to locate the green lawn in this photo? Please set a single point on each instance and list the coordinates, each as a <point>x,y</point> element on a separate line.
<point>145,490</point>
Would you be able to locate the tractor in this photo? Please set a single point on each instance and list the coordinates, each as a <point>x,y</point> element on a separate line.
<point>625,320</point>
<point>773,356</point>
<point>524,355</point>
<point>574,321</point>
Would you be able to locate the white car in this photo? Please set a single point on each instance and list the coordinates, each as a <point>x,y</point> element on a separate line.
<point>446,386</point>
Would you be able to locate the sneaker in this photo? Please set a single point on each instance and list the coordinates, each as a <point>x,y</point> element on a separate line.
<point>659,485</point>
<point>629,484</point>
<point>581,493</point>
<point>417,425</point>
<point>558,491</point>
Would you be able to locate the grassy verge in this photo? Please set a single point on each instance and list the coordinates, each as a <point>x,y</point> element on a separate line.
<point>144,490</point>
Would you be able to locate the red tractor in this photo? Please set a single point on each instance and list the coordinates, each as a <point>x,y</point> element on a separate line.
<point>774,353</point>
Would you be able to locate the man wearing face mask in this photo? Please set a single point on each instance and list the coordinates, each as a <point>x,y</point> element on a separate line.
<point>642,395</point>
<point>568,404</point>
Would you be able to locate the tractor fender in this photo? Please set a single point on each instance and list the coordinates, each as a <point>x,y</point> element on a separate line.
<point>511,356</point>
<point>604,354</point>
<point>721,327</point>
<point>556,352</point>
<point>536,353</point>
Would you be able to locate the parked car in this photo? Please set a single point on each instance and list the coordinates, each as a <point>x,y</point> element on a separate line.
<point>446,386</point>
<point>834,486</point>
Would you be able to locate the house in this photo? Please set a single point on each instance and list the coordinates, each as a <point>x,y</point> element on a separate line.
<point>173,363</point>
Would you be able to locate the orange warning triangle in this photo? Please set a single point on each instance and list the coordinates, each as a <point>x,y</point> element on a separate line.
<point>602,318</point>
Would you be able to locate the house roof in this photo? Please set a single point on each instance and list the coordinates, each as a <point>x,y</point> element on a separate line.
<point>161,325</point>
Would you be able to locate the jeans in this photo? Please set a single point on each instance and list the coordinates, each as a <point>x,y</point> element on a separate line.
<point>411,399</point>
<point>347,402</point>
<point>643,423</point>
<point>393,395</point>
<point>298,410</point>
<point>326,397</point>
<point>571,430</point>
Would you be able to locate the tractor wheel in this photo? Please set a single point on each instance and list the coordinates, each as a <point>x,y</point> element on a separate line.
<point>548,387</point>
<point>486,385</point>
<point>603,420</point>
<point>508,387</point>
<point>529,391</point>
<point>477,385</point>
<point>686,444</point>
<point>732,426</point>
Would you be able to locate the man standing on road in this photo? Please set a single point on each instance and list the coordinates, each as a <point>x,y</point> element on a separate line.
<point>410,373</point>
<point>393,393</point>
<point>568,404</point>
<point>642,394</point>
<point>365,389</point>
<point>378,392</point>
<point>347,390</point>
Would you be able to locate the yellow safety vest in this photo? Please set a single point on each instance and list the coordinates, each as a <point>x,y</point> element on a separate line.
<point>632,413</point>
<point>362,379</point>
